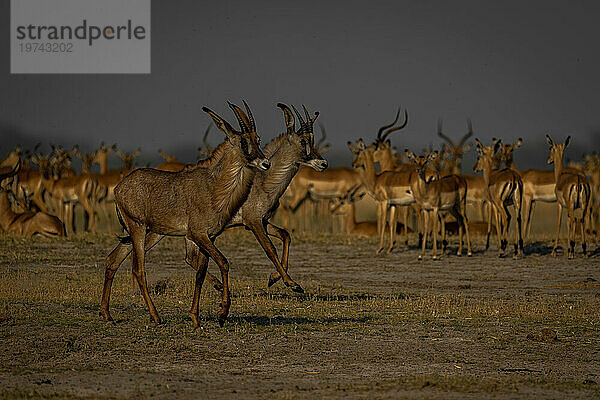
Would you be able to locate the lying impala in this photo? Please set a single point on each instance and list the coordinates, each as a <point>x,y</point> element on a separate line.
<point>573,193</point>
<point>197,203</point>
<point>448,193</point>
<point>26,223</point>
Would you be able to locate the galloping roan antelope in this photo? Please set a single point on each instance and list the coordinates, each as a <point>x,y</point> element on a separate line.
<point>504,187</point>
<point>435,195</point>
<point>572,192</point>
<point>197,203</point>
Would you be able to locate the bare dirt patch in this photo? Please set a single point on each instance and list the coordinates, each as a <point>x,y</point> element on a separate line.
<point>367,326</point>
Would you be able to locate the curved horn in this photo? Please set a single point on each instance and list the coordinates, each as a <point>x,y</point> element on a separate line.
<point>303,127</point>
<point>205,141</point>
<point>441,134</point>
<point>250,117</point>
<point>14,171</point>
<point>241,118</point>
<point>288,116</point>
<point>385,135</point>
<point>468,134</point>
<point>387,126</point>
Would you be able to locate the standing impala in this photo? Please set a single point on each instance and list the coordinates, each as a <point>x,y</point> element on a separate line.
<point>504,188</point>
<point>197,203</point>
<point>573,193</point>
<point>389,189</point>
<point>434,195</point>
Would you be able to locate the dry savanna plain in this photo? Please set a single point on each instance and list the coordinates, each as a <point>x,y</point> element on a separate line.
<point>385,326</point>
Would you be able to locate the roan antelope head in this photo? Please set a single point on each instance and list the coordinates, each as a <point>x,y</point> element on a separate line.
<point>303,139</point>
<point>246,140</point>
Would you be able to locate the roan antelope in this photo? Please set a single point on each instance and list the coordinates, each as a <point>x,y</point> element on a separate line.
<point>448,193</point>
<point>504,187</point>
<point>573,193</point>
<point>197,203</point>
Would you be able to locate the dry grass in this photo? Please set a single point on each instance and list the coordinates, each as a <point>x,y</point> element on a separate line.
<point>367,327</point>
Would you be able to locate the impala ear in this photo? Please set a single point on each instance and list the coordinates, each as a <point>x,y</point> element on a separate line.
<point>497,145</point>
<point>568,140</point>
<point>361,144</point>
<point>518,143</point>
<point>549,140</point>
<point>352,147</point>
<point>220,122</point>
<point>409,154</point>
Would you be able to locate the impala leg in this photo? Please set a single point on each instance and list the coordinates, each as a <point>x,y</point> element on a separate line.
<point>528,205</point>
<point>466,227</point>
<point>489,227</point>
<point>506,226</point>
<point>381,220</point>
<point>498,218</point>
<point>583,230</point>
<point>425,229</point>
<point>435,216</point>
<point>205,243</point>
<point>518,233</point>
<point>557,230</point>
<point>392,225</point>
<point>259,230</point>
<point>197,260</point>
<point>571,231</point>
<point>405,210</point>
<point>284,236</point>
<point>87,206</point>
<point>443,231</point>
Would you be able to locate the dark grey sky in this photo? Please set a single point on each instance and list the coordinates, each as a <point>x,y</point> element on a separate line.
<point>515,68</point>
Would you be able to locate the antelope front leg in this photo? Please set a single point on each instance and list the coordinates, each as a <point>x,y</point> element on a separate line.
<point>425,230</point>
<point>392,226</point>
<point>197,260</point>
<point>436,216</point>
<point>284,236</point>
<point>381,220</point>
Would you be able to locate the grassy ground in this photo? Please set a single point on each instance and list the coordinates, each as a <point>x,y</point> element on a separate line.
<point>368,326</point>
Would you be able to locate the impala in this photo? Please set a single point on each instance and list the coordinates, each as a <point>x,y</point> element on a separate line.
<point>504,188</point>
<point>25,223</point>
<point>389,188</point>
<point>573,193</point>
<point>448,193</point>
<point>197,203</point>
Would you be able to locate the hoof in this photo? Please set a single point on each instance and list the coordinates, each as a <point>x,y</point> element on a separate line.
<point>222,321</point>
<point>297,288</point>
<point>272,281</point>
<point>379,250</point>
<point>106,315</point>
<point>420,258</point>
<point>469,254</point>
<point>435,258</point>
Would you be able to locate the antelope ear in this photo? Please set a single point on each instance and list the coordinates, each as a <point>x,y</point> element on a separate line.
<point>497,145</point>
<point>352,147</point>
<point>220,122</point>
<point>361,144</point>
<point>518,143</point>
<point>409,154</point>
<point>549,140</point>
<point>568,140</point>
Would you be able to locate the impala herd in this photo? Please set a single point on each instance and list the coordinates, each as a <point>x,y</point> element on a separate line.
<point>239,184</point>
